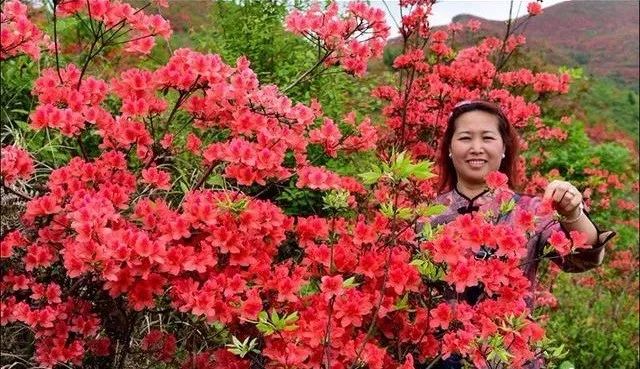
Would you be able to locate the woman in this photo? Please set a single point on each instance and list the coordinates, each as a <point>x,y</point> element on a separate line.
<point>479,140</point>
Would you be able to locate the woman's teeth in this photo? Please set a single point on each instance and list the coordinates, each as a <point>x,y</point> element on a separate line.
<point>476,163</point>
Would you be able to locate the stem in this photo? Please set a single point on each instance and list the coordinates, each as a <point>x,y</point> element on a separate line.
<point>204,176</point>
<point>181,98</point>
<point>86,62</point>
<point>82,149</point>
<point>434,362</point>
<point>134,39</point>
<point>16,192</point>
<point>93,32</point>
<point>55,39</point>
<point>127,338</point>
<point>327,337</point>
<point>104,43</point>
<point>305,74</point>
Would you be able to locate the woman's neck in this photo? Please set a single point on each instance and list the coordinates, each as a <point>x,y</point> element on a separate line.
<point>471,190</point>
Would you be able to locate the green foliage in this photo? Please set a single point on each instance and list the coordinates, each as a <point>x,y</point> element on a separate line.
<point>426,267</point>
<point>271,323</point>
<point>336,201</point>
<point>598,327</point>
<point>16,79</point>
<point>390,54</point>
<point>254,29</point>
<point>242,348</point>
<point>571,156</point>
<point>399,168</point>
<point>294,200</point>
<point>604,101</point>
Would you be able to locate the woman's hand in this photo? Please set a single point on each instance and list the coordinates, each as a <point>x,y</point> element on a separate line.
<point>566,198</point>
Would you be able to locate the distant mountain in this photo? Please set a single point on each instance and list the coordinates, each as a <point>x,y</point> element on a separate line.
<point>601,36</point>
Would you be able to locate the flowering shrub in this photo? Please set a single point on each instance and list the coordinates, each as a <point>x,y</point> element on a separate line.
<point>18,35</point>
<point>119,235</point>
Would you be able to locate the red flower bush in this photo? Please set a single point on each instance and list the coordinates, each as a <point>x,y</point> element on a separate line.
<point>18,35</point>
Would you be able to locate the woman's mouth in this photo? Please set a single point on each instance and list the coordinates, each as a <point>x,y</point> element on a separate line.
<point>476,163</point>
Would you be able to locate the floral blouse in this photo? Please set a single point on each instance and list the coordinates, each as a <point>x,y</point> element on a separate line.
<point>580,260</point>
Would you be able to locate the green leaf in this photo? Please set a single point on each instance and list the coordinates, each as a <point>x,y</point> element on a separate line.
<point>405,213</point>
<point>349,283</point>
<point>336,200</point>
<point>371,177</point>
<point>431,210</point>
<point>266,328</point>
<point>427,232</point>
<point>387,210</point>
<point>422,170</point>
<point>402,166</point>
<point>566,365</point>
<point>507,206</point>
<point>216,180</point>
<point>242,348</point>
<point>291,318</point>
<point>402,303</point>
<point>308,289</point>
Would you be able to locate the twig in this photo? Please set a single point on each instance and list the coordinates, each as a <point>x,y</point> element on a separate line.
<point>204,176</point>
<point>305,74</point>
<point>16,192</point>
<point>55,38</point>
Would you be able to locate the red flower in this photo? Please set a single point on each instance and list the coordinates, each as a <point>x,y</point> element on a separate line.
<point>157,178</point>
<point>331,286</point>
<point>534,8</point>
<point>441,316</point>
<point>560,242</point>
<point>496,180</point>
<point>351,307</point>
<point>15,163</point>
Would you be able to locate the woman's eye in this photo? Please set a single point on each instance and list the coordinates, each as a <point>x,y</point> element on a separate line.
<point>489,138</point>
<point>464,138</point>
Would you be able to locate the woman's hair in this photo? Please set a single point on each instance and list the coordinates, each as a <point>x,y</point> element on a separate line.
<point>448,177</point>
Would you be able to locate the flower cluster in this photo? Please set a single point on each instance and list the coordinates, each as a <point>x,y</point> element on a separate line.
<point>67,102</point>
<point>534,8</point>
<point>503,283</point>
<point>115,14</point>
<point>467,75</point>
<point>349,41</point>
<point>18,35</point>
<point>15,163</point>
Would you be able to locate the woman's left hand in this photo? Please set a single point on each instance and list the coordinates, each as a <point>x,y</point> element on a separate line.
<point>565,197</point>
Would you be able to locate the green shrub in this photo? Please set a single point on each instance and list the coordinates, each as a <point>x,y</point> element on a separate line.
<point>598,327</point>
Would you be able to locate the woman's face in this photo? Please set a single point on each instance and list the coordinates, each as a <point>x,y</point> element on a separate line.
<point>476,146</point>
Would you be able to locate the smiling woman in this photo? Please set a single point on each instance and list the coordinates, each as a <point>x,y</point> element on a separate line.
<point>476,148</point>
<point>478,142</point>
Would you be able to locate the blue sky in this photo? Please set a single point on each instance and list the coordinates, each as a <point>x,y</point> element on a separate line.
<point>444,10</point>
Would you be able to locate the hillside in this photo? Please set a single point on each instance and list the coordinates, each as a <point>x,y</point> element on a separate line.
<point>601,36</point>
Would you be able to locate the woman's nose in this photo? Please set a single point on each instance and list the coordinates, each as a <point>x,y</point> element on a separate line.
<point>476,145</point>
